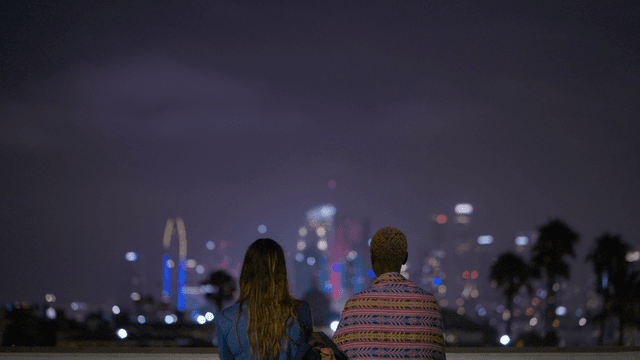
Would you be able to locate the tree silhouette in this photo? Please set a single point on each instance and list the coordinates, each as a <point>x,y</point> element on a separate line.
<point>511,273</point>
<point>223,288</point>
<point>612,272</point>
<point>626,300</point>
<point>555,241</point>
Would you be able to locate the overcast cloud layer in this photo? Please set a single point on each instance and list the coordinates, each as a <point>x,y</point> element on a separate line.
<point>118,115</point>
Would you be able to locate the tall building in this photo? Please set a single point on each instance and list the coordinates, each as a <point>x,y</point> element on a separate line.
<point>332,255</point>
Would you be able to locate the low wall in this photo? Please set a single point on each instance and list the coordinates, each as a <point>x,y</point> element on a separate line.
<point>606,353</point>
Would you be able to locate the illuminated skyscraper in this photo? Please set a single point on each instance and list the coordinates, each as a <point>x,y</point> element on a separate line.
<point>332,255</point>
<point>168,264</point>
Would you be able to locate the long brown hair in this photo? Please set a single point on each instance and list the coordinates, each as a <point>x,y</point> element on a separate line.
<point>265,291</point>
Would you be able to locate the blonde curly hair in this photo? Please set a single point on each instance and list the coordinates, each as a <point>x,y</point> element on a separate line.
<point>389,246</point>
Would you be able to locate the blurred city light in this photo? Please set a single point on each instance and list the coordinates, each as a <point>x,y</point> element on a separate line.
<point>464,209</point>
<point>301,245</point>
<point>262,229</point>
<point>142,319</point>
<point>135,296</point>
<point>371,273</point>
<point>332,184</point>
<point>200,269</point>
<point>302,231</point>
<point>505,340</point>
<point>322,213</point>
<point>299,257</point>
<point>321,231</point>
<point>533,321</point>
<point>582,322</point>
<point>115,309</point>
<point>209,316</point>
<point>311,260</point>
<point>168,319</point>
<point>122,333</point>
<point>322,245</point>
<point>437,281</point>
<point>522,240</point>
<point>211,245</point>
<point>131,256</point>
<point>334,325</point>
<point>633,256</point>
<point>462,219</point>
<point>485,239</point>
<point>50,298</point>
<point>561,311</point>
<point>201,319</point>
<point>441,219</point>
<point>191,263</point>
<point>51,313</point>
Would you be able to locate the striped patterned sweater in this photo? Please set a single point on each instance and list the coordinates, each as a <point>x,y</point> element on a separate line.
<point>392,319</point>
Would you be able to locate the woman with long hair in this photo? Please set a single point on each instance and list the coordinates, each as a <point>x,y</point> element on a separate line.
<point>266,323</point>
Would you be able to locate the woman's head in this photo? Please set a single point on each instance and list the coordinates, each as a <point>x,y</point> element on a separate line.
<point>264,272</point>
<point>265,292</point>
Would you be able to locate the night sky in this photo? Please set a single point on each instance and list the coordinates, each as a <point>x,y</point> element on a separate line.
<point>117,115</point>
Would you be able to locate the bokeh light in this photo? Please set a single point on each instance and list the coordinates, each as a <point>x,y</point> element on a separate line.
<point>115,309</point>
<point>209,316</point>
<point>463,208</point>
<point>51,313</point>
<point>441,219</point>
<point>322,245</point>
<point>321,231</point>
<point>200,269</point>
<point>582,322</point>
<point>142,319</point>
<point>334,325</point>
<point>505,340</point>
<point>311,260</point>
<point>522,240</point>
<point>131,256</point>
<point>262,229</point>
<point>122,333</point>
<point>211,245</point>
<point>302,231</point>
<point>201,319</point>
<point>533,321</point>
<point>485,239</point>
<point>135,296</point>
<point>332,184</point>
<point>299,257</point>
<point>561,311</point>
<point>301,245</point>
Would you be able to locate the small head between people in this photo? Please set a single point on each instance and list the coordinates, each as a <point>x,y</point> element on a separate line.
<point>388,250</point>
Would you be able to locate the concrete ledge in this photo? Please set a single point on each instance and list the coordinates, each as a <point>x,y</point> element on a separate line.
<point>154,353</point>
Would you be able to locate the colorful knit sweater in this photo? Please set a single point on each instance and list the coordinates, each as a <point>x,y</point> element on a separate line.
<point>392,319</point>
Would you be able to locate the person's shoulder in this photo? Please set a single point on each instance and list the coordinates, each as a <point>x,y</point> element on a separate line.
<point>228,314</point>
<point>302,308</point>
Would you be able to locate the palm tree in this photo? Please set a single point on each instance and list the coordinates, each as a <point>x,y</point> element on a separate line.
<point>625,301</point>
<point>223,288</point>
<point>555,241</point>
<point>612,270</point>
<point>511,273</point>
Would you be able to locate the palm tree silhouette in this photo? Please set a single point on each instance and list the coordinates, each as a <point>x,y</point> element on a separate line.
<point>612,272</point>
<point>223,288</point>
<point>555,241</point>
<point>511,273</point>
